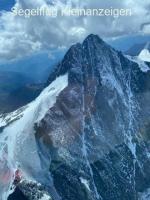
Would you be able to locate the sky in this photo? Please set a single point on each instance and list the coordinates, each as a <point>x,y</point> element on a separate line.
<point>6,4</point>
<point>20,36</point>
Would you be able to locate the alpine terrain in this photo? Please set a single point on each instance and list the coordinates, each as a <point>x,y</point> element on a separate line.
<point>136,49</point>
<point>86,136</point>
<point>145,53</point>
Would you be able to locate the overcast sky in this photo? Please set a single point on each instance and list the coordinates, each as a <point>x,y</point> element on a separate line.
<point>21,36</point>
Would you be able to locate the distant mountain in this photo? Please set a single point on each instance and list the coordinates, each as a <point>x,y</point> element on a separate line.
<point>37,66</point>
<point>10,81</point>
<point>21,81</point>
<point>125,43</point>
<point>136,49</point>
<point>86,136</point>
<point>20,97</point>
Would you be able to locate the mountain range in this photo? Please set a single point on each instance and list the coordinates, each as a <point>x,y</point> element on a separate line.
<point>86,136</point>
<point>137,48</point>
<point>19,84</point>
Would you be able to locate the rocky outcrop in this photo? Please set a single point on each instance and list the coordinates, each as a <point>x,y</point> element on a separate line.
<point>93,132</point>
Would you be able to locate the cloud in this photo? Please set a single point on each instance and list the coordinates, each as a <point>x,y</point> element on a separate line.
<point>145,28</point>
<point>20,36</point>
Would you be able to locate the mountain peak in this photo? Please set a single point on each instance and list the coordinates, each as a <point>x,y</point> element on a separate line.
<point>93,38</point>
<point>91,49</point>
<point>84,123</point>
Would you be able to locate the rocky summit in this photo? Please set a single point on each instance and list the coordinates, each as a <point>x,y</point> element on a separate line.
<point>89,139</point>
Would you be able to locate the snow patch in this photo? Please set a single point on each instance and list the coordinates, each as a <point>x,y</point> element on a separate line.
<point>144,55</point>
<point>45,197</point>
<point>10,117</point>
<point>85,183</point>
<point>148,154</point>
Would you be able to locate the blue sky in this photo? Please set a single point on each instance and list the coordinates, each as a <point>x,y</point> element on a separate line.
<point>6,4</point>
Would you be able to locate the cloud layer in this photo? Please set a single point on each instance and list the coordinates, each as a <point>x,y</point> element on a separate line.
<point>21,36</point>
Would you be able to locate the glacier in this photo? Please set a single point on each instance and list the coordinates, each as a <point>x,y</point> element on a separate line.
<point>17,143</point>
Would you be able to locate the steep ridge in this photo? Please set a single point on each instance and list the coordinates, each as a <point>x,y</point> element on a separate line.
<point>94,127</point>
<point>92,142</point>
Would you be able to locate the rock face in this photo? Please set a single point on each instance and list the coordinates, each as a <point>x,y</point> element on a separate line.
<point>93,143</point>
<point>17,194</point>
<point>96,132</point>
<point>28,190</point>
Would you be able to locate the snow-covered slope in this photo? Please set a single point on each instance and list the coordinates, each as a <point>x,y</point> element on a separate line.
<point>145,54</point>
<point>17,143</point>
<point>141,64</point>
